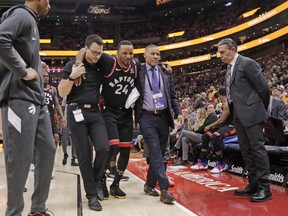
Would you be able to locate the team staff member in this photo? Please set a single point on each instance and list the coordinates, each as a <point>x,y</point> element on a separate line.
<point>85,120</point>
<point>119,80</point>
<point>248,95</point>
<point>154,112</point>
<point>26,124</point>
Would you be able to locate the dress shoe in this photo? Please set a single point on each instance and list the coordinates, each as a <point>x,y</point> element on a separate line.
<point>248,191</point>
<point>262,195</point>
<point>166,197</point>
<point>150,190</point>
<point>94,204</point>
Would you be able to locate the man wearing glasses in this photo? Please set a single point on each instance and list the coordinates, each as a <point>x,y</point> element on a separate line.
<point>84,118</point>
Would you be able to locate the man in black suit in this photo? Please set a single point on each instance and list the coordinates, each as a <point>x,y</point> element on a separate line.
<point>248,95</point>
<point>277,108</point>
<point>278,117</point>
<point>154,111</point>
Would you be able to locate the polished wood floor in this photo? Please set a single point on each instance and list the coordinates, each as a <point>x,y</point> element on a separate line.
<point>198,193</point>
<point>63,196</point>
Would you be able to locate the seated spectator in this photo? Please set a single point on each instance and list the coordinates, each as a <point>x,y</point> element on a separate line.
<point>201,100</point>
<point>279,91</point>
<point>285,97</point>
<point>211,94</point>
<point>174,134</point>
<point>214,136</point>
<point>277,109</point>
<point>194,133</point>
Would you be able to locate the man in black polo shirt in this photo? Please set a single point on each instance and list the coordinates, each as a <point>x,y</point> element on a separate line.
<point>84,118</point>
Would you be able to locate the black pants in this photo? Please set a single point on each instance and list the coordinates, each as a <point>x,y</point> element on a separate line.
<point>251,141</point>
<point>155,130</point>
<point>216,137</point>
<point>92,127</point>
<point>120,131</point>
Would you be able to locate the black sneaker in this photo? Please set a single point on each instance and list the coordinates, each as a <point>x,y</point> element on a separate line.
<point>117,192</point>
<point>64,161</point>
<point>94,204</point>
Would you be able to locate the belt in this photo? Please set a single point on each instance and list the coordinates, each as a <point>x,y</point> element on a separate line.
<point>85,106</point>
<point>155,112</point>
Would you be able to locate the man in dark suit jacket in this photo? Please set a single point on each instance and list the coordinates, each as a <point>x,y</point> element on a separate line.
<point>277,109</point>
<point>248,95</point>
<point>278,116</point>
<point>154,112</point>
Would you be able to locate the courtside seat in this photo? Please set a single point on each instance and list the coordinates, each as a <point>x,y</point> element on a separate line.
<point>231,143</point>
<point>230,139</point>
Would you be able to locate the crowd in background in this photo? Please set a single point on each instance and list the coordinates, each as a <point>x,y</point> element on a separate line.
<point>275,68</point>
<point>69,35</point>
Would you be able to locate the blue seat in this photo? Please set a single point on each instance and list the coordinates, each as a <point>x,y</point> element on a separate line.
<point>230,139</point>
<point>231,143</point>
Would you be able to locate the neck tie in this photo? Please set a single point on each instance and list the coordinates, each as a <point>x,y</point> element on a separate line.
<point>228,82</point>
<point>155,81</point>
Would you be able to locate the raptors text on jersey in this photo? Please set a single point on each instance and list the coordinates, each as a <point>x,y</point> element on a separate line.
<point>118,85</point>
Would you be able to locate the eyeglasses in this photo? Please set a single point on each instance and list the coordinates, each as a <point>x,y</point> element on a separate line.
<point>95,52</point>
